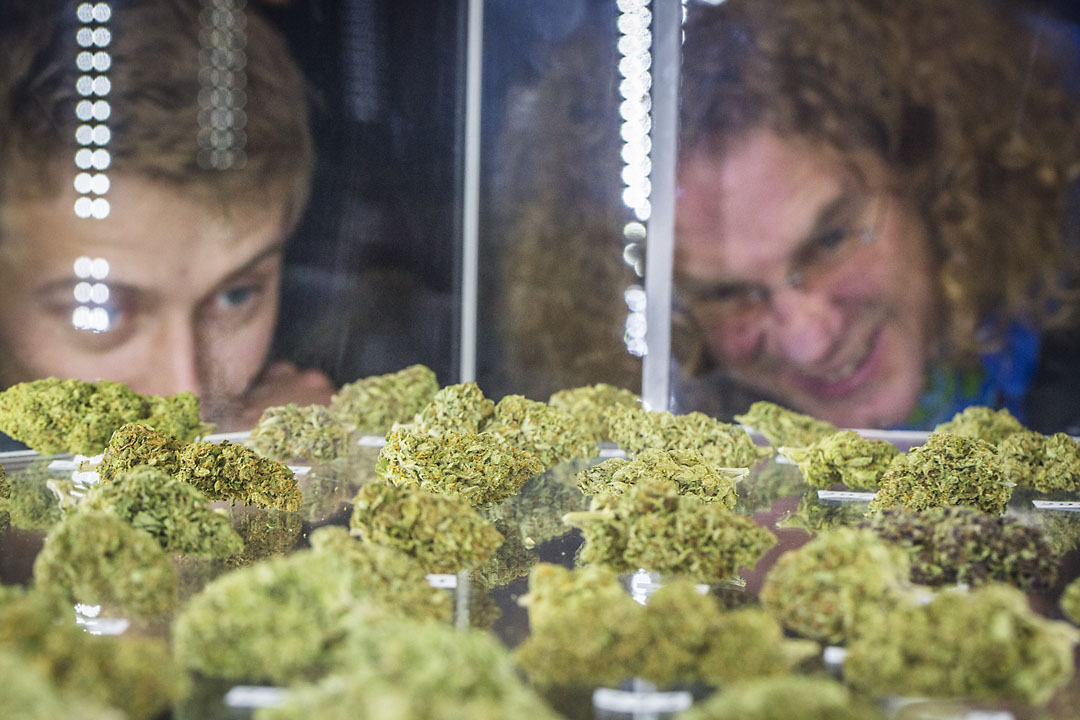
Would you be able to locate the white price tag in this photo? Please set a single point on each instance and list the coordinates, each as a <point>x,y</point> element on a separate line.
<point>442,580</point>
<point>628,701</point>
<point>845,495</point>
<point>1071,506</point>
<point>255,696</point>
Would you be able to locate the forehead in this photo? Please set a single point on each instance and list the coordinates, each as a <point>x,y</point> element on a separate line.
<point>153,233</point>
<point>755,203</point>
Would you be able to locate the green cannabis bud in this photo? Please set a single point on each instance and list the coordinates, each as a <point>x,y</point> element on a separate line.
<point>135,444</point>
<point>408,670</point>
<point>482,469</point>
<point>442,532</point>
<point>133,674</point>
<point>843,458</point>
<point>382,574</point>
<point>986,644</point>
<point>73,416</point>
<point>29,695</point>
<point>233,472</point>
<point>719,443</point>
<point>828,588</point>
<point>265,532</point>
<point>459,408</point>
<point>982,423</point>
<point>589,404</point>
<point>784,427</point>
<point>222,471</point>
<point>283,619</point>
<point>685,468</point>
<point>679,636</point>
<point>655,527</point>
<point>776,698</point>
<point>95,558</point>
<point>562,603</point>
<point>946,470</point>
<point>962,545</point>
<point>373,404</point>
<point>1046,464</point>
<point>552,435</point>
<point>173,511</point>
<point>1070,601</point>
<point>309,432</point>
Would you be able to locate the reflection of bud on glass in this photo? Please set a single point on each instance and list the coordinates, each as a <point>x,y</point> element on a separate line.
<point>687,469</point>
<point>817,698</point>
<point>1070,601</point>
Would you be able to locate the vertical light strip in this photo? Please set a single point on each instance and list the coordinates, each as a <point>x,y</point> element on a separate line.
<point>470,225</point>
<point>92,60</point>
<point>659,259</point>
<point>635,62</point>
<point>222,83</point>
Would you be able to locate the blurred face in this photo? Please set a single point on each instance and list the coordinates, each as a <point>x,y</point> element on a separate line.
<point>810,281</point>
<point>185,300</point>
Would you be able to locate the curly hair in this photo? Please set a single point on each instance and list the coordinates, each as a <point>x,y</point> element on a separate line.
<point>962,100</point>
<point>155,103</point>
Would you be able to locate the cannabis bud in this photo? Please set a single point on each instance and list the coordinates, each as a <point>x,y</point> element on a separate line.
<point>309,432</point>
<point>946,470</point>
<point>373,404</point>
<point>408,670</point>
<point>442,532</point>
<point>460,408</point>
<point>982,423</point>
<point>590,404</point>
<point>962,545</point>
<point>482,469</point>
<point>685,468</point>
<point>719,443</point>
<point>132,675</point>
<point>552,435</point>
<point>817,698</point>
<point>655,527</point>
<point>1044,463</point>
<point>173,511</point>
<point>986,644</point>
<point>843,458</point>
<point>73,416</point>
<point>96,558</point>
<point>222,471</point>
<point>830,587</point>
<point>784,427</point>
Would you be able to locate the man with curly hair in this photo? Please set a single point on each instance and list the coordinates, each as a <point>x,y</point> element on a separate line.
<point>872,223</point>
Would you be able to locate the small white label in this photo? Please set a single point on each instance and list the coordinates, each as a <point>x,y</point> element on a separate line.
<point>300,469</point>
<point>255,696</point>
<point>1071,506</point>
<point>611,452</point>
<point>834,655</point>
<point>845,495</point>
<point>371,441</point>
<point>627,701</point>
<point>442,580</point>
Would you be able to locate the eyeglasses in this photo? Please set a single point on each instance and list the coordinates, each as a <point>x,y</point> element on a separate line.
<point>825,254</point>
